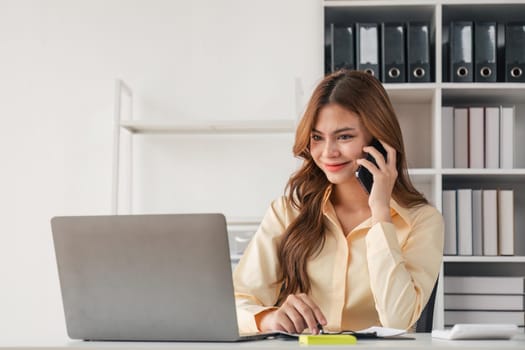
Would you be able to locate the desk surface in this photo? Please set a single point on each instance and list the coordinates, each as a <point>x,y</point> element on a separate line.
<point>422,341</point>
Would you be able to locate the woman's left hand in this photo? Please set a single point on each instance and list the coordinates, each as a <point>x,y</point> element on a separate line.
<point>385,175</point>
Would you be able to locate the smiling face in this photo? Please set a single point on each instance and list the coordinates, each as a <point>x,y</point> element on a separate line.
<point>337,141</point>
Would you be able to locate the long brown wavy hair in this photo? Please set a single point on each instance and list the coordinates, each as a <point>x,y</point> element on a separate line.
<point>363,95</point>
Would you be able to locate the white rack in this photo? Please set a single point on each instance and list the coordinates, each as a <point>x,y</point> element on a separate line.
<point>238,227</point>
<point>124,121</point>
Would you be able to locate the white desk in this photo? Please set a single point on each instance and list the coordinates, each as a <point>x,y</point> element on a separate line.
<point>423,341</point>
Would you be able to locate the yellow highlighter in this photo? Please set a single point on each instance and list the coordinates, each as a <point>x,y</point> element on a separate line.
<point>327,339</point>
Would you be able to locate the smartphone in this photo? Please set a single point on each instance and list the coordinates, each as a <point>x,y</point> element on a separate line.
<point>364,176</point>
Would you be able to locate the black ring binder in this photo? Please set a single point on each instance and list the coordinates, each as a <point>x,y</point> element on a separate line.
<point>394,73</point>
<point>516,72</point>
<point>485,72</point>
<point>419,72</point>
<point>462,71</point>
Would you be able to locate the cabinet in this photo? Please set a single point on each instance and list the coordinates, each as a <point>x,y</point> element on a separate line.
<point>418,106</point>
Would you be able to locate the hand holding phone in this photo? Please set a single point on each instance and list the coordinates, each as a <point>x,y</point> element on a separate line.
<point>364,176</point>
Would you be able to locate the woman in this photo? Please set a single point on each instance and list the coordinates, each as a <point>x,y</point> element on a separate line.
<point>329,253</point>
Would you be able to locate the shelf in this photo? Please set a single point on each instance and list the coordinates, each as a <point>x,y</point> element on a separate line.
<point>483,93</point>
<point>513,178</point>
<point>483,86</point>
<point>484,10</point>
<point>484,259</point>
<point>205,127</point>
<point>343,3</point>
<point>484,172</point>
<point>422,171</point>
<point>456,3</point>
<point>340,12</point>
<point>412,93</point>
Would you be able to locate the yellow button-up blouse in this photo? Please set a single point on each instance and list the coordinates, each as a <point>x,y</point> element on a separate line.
<point>381,274</point>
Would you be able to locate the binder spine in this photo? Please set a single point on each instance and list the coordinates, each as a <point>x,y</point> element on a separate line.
<point>343,55</point>
<point>461,51</point>
<point>393,53</point>
<point>329,49</point>
<point>515,52</point>
<point>485,46</point>
<point>418,52</point>
<point>367,48</point>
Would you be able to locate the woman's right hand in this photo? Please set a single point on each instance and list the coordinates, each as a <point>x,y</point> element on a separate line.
<point>297,313</point>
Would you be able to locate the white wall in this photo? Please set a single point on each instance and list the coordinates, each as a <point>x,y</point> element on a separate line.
<point>207,59</point>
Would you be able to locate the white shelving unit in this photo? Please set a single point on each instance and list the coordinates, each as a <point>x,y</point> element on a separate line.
<point>126,127</point>
<point>418,107</point>
<point>124,122</point>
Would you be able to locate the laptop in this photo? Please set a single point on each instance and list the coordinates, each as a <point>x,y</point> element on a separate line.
<point>147,278</point>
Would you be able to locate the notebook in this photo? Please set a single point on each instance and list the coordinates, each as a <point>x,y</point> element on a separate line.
<point>146,278</point>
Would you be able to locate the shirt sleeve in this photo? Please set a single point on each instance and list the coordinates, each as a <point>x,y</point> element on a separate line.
<point>403,271</point>
<point>255,277</point>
